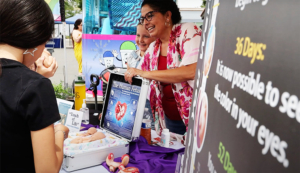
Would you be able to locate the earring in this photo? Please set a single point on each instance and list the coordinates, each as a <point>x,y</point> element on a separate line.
<point>167,23</point>
<point>31,53</point>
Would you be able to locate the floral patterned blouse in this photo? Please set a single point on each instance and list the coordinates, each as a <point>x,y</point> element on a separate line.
<point>183,50</point>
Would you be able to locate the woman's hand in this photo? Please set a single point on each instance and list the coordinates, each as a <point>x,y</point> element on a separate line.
<point>131,72</point>
<point>46,71</point>
<point>62,128</point>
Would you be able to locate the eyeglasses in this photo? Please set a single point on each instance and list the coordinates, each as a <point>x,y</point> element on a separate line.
<point>148,17</point>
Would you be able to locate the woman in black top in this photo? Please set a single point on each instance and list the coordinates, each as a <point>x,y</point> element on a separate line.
<point>28,108</point>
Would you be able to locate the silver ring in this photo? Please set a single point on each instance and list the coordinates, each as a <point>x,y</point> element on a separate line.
<point>128,73</point>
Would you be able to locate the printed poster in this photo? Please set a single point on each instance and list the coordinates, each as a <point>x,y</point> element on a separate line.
<point>245,114</point>
<point>102,51</point>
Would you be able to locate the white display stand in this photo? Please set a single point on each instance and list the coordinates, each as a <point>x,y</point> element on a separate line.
<point>100,168</point>
<point>94,169</point>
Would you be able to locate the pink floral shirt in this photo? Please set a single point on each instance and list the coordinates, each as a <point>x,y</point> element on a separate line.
<point>183,50</point>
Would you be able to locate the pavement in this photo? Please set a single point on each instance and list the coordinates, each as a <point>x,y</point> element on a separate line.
<point>71,66</point>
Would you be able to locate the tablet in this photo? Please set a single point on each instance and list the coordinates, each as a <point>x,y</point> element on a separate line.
<point>123,106</point>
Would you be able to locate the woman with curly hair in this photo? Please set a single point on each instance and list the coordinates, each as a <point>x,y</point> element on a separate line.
<point>170,63</point>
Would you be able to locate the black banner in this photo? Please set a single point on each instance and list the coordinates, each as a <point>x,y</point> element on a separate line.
<point>245,115</point>
<point>62,10</point>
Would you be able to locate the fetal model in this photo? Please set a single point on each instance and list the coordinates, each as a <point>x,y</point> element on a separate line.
<point>90,131</point>
<point>114,165</point>
<point>128,170</point>
<point>94,137</point>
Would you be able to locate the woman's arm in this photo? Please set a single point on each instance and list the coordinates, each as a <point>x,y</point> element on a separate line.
<point>176,75</point>
<point>48,148</point>
<point>77,35</point>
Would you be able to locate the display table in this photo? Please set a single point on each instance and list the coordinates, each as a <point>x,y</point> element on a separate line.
<point>94,169</point>
<point>102,169</point>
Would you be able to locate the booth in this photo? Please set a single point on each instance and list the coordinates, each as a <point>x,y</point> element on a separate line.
<point>120,126</point>
<point>176,149</point>
<point>107,43</point>
<point>245,110</point>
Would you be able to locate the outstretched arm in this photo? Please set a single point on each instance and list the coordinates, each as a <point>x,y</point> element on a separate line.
<point>176,75</point>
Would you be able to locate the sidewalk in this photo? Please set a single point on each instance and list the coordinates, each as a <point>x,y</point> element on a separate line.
<point>72,66</point>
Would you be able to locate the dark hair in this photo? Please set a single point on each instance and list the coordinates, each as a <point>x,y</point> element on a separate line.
<point>25,24</point>
<point>163,6</point>
<point>77,23</point>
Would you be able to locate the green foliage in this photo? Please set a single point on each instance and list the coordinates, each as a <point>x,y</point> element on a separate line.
<point>80,4</point>
<point>61,92</point>
<point>203,4</point>
<point>72,7</point>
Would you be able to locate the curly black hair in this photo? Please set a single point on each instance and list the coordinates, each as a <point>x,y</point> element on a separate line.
<point>77,23</point>
<point>164,6</point>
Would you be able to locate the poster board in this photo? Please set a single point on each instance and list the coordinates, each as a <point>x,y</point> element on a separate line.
<point>63,108</point>
<point>102,51</point>
<point>73,120</point>
<point>245,114</point>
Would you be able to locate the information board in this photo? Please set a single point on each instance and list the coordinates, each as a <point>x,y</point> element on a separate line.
<point>245,114</point>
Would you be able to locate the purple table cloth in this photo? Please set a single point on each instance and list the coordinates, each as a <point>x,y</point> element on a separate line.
<point>87,126</point>
<point>150,159</point>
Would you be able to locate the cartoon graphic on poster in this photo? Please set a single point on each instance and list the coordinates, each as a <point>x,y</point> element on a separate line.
<point>109,57</point>
<point>126,48</point>
<point>102,51</point>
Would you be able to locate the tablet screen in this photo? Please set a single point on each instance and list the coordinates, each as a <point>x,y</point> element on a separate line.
<point>121,108</point>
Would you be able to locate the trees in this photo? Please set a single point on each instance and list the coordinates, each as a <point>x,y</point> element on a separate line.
<point>72,7</point>
<point>203,4</point>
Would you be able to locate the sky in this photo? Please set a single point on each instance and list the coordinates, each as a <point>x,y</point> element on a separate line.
<point>189,3</point>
